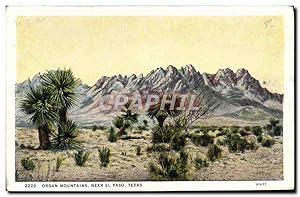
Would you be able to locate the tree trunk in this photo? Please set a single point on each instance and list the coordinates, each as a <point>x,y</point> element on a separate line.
<point>44,137</point>
<point>121,131</point>
<point>160,121</point>
<point>63,115</point>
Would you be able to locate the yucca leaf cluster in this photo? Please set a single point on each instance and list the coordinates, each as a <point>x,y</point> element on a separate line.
<point>28,164</point>
<point>170,167</point>
<point>104,156</point>
<point>81,157</point>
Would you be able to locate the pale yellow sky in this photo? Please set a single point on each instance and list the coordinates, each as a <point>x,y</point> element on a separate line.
<point>109,45</point>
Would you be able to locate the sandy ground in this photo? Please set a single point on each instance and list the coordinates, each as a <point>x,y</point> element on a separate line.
<point>263,164</point>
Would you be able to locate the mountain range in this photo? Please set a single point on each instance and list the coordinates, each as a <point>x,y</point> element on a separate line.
<point>240,95</point>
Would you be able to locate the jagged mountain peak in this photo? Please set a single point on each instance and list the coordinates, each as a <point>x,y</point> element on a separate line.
<point>234,89</point>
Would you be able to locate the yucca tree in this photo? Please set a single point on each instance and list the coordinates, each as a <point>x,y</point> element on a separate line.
<point>161,115</point>
<point>126,119</point>
<point>274,127</point>
<point>61,85</point>
<point>41,110</point>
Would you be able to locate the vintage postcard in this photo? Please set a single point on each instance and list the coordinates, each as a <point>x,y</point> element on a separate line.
<point>154,98</point>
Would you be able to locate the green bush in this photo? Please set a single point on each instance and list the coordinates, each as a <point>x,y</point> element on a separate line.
<point>112,137</point>
<point>247,128</point>
<point>214,152</point>
<point>202,140</point>
<point>200,163</point>
<point>234,129</point>
<point>257,130</point>
<point>178,142</point>
<point>251,142</point>
<point>118,121</point>
<point>66,137</point>
<point>158,148</point>
<point>163,134</point>
<point>94,127</point>
<point>138,150</point>
<point>104,155</point>
<point>274,127</point>
<point>259,138</point>
<point>81,157</point>
<point>59,162</point>
<point>244,132</point>
<point>28,164</point>
<point>277,130</point>
<point>235,143</point>
<point>170,167</point>
<point>267,141</point>
<point>224,131</point>
<point>220,142</point>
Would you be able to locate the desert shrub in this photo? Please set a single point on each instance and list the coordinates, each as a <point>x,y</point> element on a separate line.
<point>235,143</point>
<point>274,127</point>
<point>247,128</point>
<point>267,141</point>
<point>170,167</point>
<point>244,132</point>
<point>178,142</point>
<point>112,137</point>
<point>202,140</point>
<point>220,142</point>
<point>200,163</point>
<point>122,123</point>
<point>104,155</point>
<point>257,130</point>
<point>138,150</point>
<point>158,148</point>
<point>66,137</point>
<point>234,129</point>
<point>259,138</point>
<point>118,121</point>
<point>277,130</point>
<point>59,162</point>
<point>163,134</point>
<point>81,157</point>
<point>224,131</point>
<point>252,146</point>
<point>251,142</point>
<point>94,127</point>
<point>214,152</point>
<point>28,164</point>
